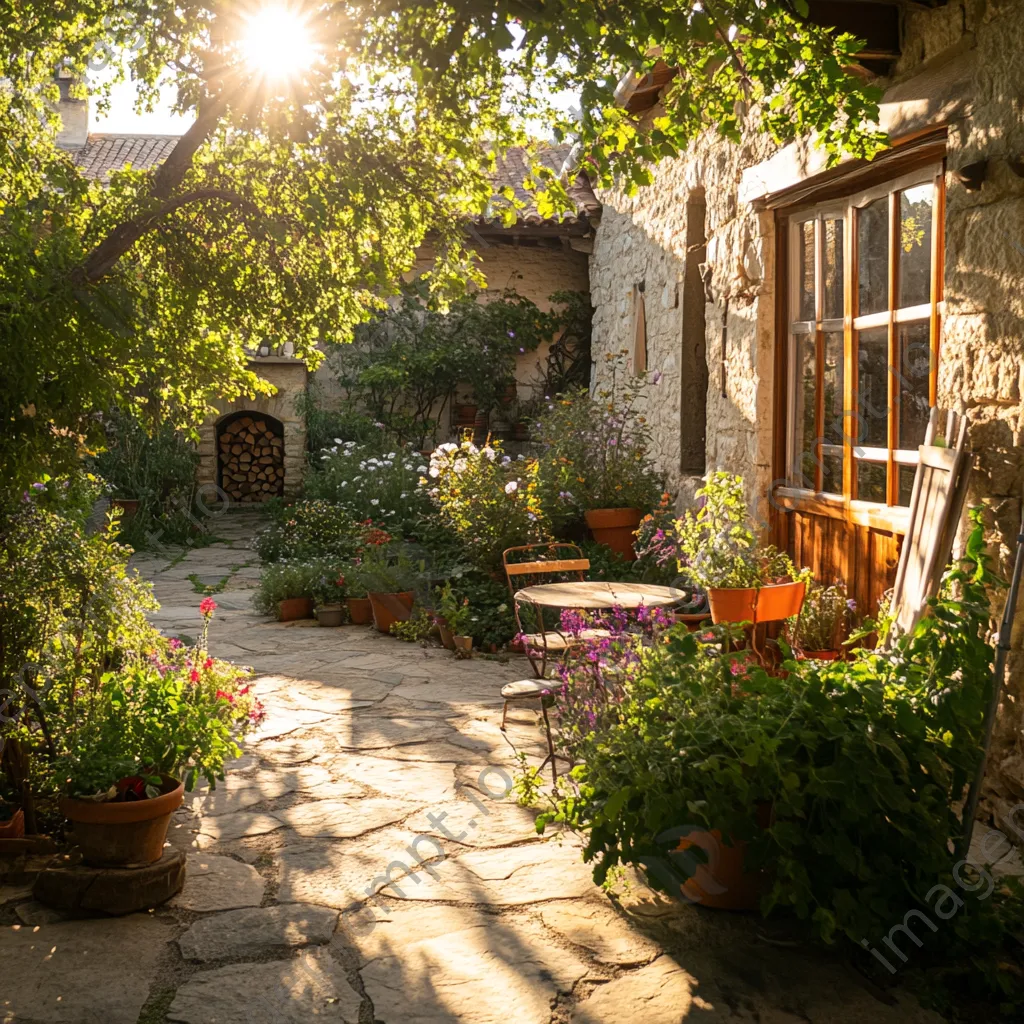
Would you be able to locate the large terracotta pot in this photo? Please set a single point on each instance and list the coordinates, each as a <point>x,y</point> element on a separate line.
<point>389,608</point>
<point>292,608</point>
<point>723,882</point>
<point>123,834</point>
<point>360,610</point>
<point>772,603</point>
<point>465,414</point>
<point>14,828</point>
<point>614,528</point>
<point>447,637</point>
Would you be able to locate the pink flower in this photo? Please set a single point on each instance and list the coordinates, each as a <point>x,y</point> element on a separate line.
<point>174,643</point>
<point>207,606</point>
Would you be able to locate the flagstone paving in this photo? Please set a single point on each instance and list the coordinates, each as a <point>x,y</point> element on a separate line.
<point>364,863</point>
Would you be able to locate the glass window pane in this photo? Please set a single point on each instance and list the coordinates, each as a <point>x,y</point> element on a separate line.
<point>915,366</point>
<point>905,479</point>
<point>835,425</point>
<point>872,394</point>
<point>873,257</point>
<point>806,407</point>
<point>871,481</point>
<point>832,268</point>
<point>805,303</point>
<point>916,245</point>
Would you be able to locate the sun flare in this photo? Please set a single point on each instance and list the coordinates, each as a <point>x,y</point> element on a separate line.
<point>277,42</point>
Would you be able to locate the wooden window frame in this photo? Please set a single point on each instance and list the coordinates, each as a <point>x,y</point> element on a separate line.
<point>791,494</point>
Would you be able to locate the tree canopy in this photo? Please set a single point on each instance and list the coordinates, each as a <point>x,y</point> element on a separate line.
<point>293,205</point>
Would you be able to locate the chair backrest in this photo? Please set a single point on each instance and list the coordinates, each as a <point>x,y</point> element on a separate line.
<point>530,564</point>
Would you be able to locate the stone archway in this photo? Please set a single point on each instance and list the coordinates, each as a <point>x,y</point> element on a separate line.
<point>250,456</point>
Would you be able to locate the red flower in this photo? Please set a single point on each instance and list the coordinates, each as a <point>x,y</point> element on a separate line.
<point>207,606</point>
<point>229,697</point>
<point>208,664</point>
<point>194,676</point>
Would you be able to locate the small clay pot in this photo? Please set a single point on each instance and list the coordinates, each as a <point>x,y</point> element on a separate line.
<point>819,655</point>
<point>330,614</point>
<point>464,645</point>
<point>360,611</point>
<point>113,834</point>
<point>292,608</point>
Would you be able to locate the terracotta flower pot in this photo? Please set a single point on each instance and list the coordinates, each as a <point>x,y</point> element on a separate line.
<point>330,614</point>
<point>359,610</point>
<point>465,415</point>
<point>123,834</point>
<point>389,608</point>
<point>723,882</point>
<point>819,655</point>
<point>771,603</point>
<point>692,620</point>
<point>292,608</point>
<point>614,528</point>
<point>15,827</point>
<point>521,431</point>
<point>447,638</point>
<point>128,506</point>
<point>464,645</point>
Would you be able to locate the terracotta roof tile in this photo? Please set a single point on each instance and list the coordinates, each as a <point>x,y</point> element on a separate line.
<point>105,153</point>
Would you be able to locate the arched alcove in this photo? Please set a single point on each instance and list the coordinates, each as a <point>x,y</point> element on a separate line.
<point>250,456</point>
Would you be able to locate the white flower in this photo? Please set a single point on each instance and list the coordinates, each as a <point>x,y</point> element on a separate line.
<point>391,455</point>
<point>512,486</point>
<point>448,446</point>
<point>490,453</point>
<point>408,465</point>
<point>338,440</point>
<point>421,469</point>
<point>435,472</point>
<point>402,495</point>
<point>461,465</point>
<point>374,501</point>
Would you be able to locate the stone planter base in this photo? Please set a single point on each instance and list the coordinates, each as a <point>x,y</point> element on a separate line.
<point>116,891</point>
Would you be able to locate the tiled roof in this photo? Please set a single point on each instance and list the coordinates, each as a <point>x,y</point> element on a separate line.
<point>105,153</point>
<point>514,168</point>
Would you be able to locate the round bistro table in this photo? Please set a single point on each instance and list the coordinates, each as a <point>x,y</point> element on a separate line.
<point>594,596</point>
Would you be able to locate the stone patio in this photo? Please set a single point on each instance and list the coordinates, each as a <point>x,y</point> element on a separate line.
<point>364,863</point>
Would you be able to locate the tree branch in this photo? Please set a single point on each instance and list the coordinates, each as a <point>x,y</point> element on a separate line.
<point>165,179</point>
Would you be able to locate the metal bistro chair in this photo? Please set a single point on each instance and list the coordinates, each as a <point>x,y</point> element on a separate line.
<point>542,644</point>
<point>521,574</point>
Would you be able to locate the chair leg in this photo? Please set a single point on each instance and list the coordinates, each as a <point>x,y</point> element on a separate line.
<point>504,715</point>
<point>551,746</point>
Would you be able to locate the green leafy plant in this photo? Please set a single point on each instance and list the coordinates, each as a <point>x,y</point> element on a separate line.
<point>454,610</point>
<point>718,546</point>
<point>823,618</point>
<point>417,628</point>
<point>390,568</point>
<point>597,450</point>
<point>280,581</point>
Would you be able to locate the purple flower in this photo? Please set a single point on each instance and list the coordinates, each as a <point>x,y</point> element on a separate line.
<point>38,487</point>
<point>851,604</point>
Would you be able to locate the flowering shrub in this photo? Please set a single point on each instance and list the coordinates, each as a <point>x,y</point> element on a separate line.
<point>308,529</point>
<point>597,451</point>
<point>280,581</point>
<point>822,619</point>
<point>371,482</point>
<point>490,500</point>
<point>174,711</point>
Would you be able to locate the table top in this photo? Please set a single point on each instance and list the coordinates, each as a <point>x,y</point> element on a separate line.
<point>588,595</point>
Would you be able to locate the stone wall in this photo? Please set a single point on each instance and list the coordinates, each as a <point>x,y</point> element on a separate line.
<point>962,65</point>
<point>534,272</point>
<point>288,376</point>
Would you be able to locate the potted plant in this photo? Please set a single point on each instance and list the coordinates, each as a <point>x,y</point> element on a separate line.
<point>389,575</point>
<point>140,738</point>
<point>360,612</point>
<point>329,596</point>
<point>455,614</point>
<point>12,821</point>
<point>818,632</point>
<point>597,461</point>
<point>286,590</point>
<point>719,551</point>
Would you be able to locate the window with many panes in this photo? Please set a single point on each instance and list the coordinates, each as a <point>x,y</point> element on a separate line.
<point>863,323</point>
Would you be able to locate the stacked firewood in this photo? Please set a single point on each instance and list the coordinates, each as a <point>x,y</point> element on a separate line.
<point>251,459</point>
